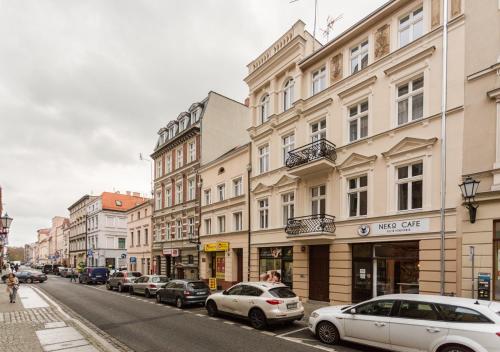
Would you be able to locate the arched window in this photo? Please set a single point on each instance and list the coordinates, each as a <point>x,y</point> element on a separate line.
<point>288,94</point>
<point>264,108</point>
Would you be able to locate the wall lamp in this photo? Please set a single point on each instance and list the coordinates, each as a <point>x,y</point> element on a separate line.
<point>469,189</point>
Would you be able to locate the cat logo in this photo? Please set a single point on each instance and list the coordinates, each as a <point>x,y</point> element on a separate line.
<point>364,230</point>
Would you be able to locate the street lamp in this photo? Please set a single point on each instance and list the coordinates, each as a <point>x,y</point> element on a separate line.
<point>469,189</point>
<point>5,222</point>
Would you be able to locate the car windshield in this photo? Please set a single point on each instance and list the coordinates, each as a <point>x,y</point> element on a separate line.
<point>159,279</point>
<point>134,274</point>
<point>197,285</point>
<point>282,292</point>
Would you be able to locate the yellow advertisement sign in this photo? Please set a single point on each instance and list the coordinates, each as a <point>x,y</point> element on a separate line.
<point>216,247</point>
<point>212,283</point>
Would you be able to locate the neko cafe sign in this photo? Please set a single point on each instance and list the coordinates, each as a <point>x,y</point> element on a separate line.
<point>395,227</point>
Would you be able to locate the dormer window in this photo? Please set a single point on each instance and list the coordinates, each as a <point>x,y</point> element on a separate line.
<point>288,94</point>
<point>118,203</point>
<point>264,108</point>
<point>183,124</point>
<point>195,116</point>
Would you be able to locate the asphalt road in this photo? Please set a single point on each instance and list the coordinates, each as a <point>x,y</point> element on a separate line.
<point>146,326</point>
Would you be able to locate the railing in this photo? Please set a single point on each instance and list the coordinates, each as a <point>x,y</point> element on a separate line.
<point>310,224</point>
<point>313,151</point>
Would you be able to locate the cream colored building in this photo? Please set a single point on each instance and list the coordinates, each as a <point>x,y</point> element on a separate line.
<point>140,237</point>
<point>78,231</point>
<point>346,156</point>
<point>224,234</point>
<point>43,240</point>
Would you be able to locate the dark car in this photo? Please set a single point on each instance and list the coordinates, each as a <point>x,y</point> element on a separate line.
<point>94,275</point>
<point>183,292</point>
<point>28,276</point>
<point>48,269</point>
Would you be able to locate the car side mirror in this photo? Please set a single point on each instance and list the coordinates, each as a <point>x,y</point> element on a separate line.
<point>352,311</point>
<point>225,293</point>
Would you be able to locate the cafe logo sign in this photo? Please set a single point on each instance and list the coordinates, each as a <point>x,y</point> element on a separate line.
<point>364,230</point>
<point>400,227</point>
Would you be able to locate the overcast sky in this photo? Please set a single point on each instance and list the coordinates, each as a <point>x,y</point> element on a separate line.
<point>85,86</point>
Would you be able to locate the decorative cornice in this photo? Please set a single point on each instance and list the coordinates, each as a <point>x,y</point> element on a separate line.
<point>355,160</point>
<point>411,144</point>
<point>410,61</point>
<point>495,93</point>
<point>357,87</point>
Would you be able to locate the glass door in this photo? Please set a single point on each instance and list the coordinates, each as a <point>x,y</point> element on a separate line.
<point>362,282</point>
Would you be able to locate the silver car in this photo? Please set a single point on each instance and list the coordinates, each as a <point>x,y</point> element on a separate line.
<point>147,285</point>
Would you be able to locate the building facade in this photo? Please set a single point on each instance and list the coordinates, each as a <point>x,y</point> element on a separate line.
<point>177,157</point>
<point>107,228</point>
<point>346,156</point>
<point>78,231</point>
<point>43,241</point>
<point>65,246</point>
<point>140,237</point>
<point>56,239</point>
<point>224,231</point>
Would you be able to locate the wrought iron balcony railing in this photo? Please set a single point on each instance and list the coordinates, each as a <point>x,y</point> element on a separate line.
<point>310,224</point>
<point>313,151</point>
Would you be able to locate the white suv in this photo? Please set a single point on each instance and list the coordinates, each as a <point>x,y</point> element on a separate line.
<point>413,323</point>
<point>260,302</point>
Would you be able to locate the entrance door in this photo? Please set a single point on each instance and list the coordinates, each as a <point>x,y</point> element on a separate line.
<point>239,265</point>
<point>362,280</point>
<point>319,267</point>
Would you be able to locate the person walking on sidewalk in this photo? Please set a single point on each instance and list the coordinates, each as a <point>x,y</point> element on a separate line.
<point>72,275</point>
<point>12,287</point>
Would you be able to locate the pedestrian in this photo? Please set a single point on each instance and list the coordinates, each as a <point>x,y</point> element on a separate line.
<point>72,275</point>
<point>12,287</point>
<point>16,267</point>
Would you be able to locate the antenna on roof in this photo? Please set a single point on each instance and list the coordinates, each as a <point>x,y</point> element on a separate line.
<point>315,20</point>
<point>329,25</point>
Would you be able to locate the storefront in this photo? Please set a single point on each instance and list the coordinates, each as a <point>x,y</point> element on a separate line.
<point>384,268</point>
<point>215,255</point>
<point>276,264</point>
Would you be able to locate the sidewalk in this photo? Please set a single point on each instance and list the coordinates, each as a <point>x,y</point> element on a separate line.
<point>36,324</point>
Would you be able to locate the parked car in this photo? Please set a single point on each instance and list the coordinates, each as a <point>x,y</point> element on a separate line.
<point>93,275</point>
<point>147,285</point>
<point>63,272</point>
<point>183,292</point>
<point>48,269</point>
<point>28,277</point>
<point>262,303</point>
<point>121,280</point>
<point>57,270</point>
<point>411,322</point>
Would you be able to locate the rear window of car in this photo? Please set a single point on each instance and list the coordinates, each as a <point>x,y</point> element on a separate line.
<point>197,285</point>
<point>282,292</point>
<point>99,271</point>
<point>134,274</point>
<point>458,314</point>
<point>159,279</point>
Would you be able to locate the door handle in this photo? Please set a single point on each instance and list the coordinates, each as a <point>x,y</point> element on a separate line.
<point>235,300</point>
<point>433,330</point>
<point>379,324</point>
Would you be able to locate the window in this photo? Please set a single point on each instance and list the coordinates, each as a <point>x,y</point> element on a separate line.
<point>178,193</point>
<point>411,26</point>
<point>318,130</point>
<point>288,145</point>
<point>417,310</point>
<point>264,108</point>
<point>288,94</point>
<point>238,221</point>
<point>359,57</point>
<point>168,232</point>
<point>221,221</point>
<point>191,189</point>
<point>191,151</point>
<point>288,203</point>
<point>358,196</point>
<point>146,237</point>
<point>169,163</point>
<point>158,200</point>
<point>318,200</point>
<point>121,243</point>
<point>318,80</point>
<point>377,308</point>
<point>264,213</point>
<point>191,227</point>
<point>358,121</point>
<point>178,160</point>
<point>168,197</point>
<point>138,238</point>
<point>195,115</point>
<point>237,187</point>
<point>410,186</point>
<point>158,168</point>
<point>171,131</point>
<point>461,315</point>
<point>264,159</point>
<point>251,291</point>
<point>183,124</point>
<point>190,259</point>
<point>208,226</point>
<point>178,229</point>
<point>221,192</point>
<point>410,101</point>
<point>131,239</point>
<point>208,196</point>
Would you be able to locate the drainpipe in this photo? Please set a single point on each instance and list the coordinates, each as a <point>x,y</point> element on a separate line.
<point>249,216</point>
<point>444,86</point>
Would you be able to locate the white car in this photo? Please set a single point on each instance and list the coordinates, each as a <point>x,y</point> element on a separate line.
<point>262,303</point>
<point>411,323</point>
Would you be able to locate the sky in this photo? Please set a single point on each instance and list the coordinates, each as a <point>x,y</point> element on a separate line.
<point>86,85</point>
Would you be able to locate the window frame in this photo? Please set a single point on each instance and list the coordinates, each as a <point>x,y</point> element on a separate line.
<point>318,76</point>
<point>357,190</point>
<point>191,191</point>
<point>409,181</point>
<point>168,196</point>
<point>411,25</point>
<point>221,224</point>
<point>287,206</point>
<point>238,221</point>
<point>207,196</point>
<point>412,93</point>
<point>320,198</point>
<point>264,158</point>
<point>288,94</point>
<point>179,158</point>
<point>358,117</point>
<point>221,192</point>
<point>237,186</point>
<point>287,145</point>
<point>178,229</point>
<point>191,151</point>
<point>179,192</point>
<point>264,108</point>
<point>362,49</point>
<point>208,226</point>
<point>263,210</point>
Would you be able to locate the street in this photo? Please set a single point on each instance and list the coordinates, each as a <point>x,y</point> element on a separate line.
<point>143,325</point>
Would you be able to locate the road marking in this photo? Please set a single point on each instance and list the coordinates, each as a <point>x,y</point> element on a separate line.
<point>214,319</point>
<point>200,315</point>
<point>291,332</point>
<point>228,322</point>
<point>269,333</point>
<point>246,327</point>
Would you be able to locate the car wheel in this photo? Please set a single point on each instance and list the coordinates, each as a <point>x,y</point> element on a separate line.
<point>327,333</point>
<point>212,308</point>
<point>455,348</point>
<point>29,280</point>
<point>147,294</point>
<point>109,287</point>
<point>158,298</point>
<point>257,319</point>
<point>178,303</point>
<point>131,291</point>
<point>120,288</point>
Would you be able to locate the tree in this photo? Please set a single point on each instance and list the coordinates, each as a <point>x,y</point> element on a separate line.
<point>15,253</point>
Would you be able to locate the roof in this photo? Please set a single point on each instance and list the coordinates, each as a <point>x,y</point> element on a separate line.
<point>120,202</point>
<point>146,200</point>
<point>441,299</point>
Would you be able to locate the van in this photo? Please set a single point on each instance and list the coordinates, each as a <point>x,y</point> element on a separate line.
<point>48,269</point>
<point>94,275</point>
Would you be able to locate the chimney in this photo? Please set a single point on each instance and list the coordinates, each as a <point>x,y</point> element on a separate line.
<point>128,193</point>
<point>136,194</point>
<point>247,102</point>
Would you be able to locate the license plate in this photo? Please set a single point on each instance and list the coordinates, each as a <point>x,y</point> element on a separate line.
<point>291,306</point>
<point>201,293</point>
<point>98,276</point>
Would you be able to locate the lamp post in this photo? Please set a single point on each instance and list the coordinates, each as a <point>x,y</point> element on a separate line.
<point>5,222</point>
<point>469,189</point>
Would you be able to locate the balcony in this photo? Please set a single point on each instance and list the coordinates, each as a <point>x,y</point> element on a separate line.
<point>318,156</point>
<point>314,227</point>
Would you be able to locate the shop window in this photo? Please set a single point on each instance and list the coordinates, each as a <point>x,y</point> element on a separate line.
<point>275,264</point>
